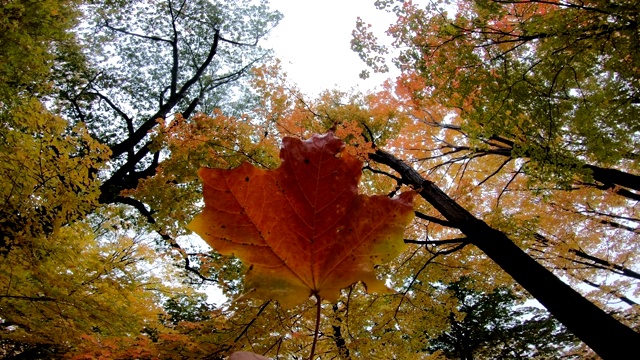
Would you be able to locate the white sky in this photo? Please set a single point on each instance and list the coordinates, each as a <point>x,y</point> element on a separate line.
<point>313,42</point>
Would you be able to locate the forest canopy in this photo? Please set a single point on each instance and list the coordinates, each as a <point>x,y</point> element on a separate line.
<point>416,221</point>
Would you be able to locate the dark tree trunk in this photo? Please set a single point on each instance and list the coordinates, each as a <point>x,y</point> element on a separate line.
<point>338,339</point>
<point>613,177</point>
<point>600,331</point>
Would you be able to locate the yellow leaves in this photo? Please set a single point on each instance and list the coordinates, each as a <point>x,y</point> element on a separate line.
<point>58,288</point>
<point>45,166</point>
<point>94,347</point>
<point>27,30</point>
<point>216,140</point>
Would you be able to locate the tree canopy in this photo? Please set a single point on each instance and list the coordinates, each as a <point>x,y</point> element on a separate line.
<point>512,125</point>
<point>496,325</point>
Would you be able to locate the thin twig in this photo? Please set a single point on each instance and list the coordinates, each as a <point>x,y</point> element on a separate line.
<point>244,331</point>
<point>464,240</point>
<point>317,331</point>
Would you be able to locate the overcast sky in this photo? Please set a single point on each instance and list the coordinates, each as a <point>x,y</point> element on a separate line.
<point>313,42</point>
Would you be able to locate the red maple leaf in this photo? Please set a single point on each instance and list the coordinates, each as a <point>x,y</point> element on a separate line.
<point>302,228</point>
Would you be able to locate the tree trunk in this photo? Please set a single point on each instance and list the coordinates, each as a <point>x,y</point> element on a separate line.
<point>600,331</point>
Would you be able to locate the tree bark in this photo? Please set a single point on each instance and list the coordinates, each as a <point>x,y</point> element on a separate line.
<point>612,177</point>
<point>338,339</point>
<point>600,331</point>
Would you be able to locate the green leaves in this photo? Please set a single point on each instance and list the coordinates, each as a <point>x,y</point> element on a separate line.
<point>554,79</point>
<point>495,323</point>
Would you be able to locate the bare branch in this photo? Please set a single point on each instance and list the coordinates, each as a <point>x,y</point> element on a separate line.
<point>433,219</point>
<point>495,172</point>
<point>142,209</point>
<point>463,240</point>
<point>123,31</point>
<point>240,43</point>
<point>138,135</point>
<point>244,331</point>
<point>28,298</point>
<point>612,293</point>
<point>381,172</point>
<point>115,108</point>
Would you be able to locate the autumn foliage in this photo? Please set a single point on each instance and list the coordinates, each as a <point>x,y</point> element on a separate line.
<point>498,167</point>
<point>302,228</point>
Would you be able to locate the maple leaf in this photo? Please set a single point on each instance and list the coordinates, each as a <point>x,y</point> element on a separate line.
<point>302,228</point>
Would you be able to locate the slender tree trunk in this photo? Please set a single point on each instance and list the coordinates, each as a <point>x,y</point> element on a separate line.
<point>600,331</point>
<point>338,339</point>
<point>612,177</point>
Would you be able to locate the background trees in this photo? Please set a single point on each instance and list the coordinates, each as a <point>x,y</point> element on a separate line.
<point>558,80</point>
<point>151,60</point>
<point>79,270</point>
<point>496,325</point>
<point>32,31</point>
<point>464,73</point>
<point>515,121</point>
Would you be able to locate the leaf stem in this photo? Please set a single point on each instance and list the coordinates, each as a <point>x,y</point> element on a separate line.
<point>317,331</point>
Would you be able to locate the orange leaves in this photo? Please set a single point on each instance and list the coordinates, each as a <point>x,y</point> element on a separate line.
<point>302,228</point>
<point>281,102</point>
<point>216,140</point>
<point>351,131</point>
